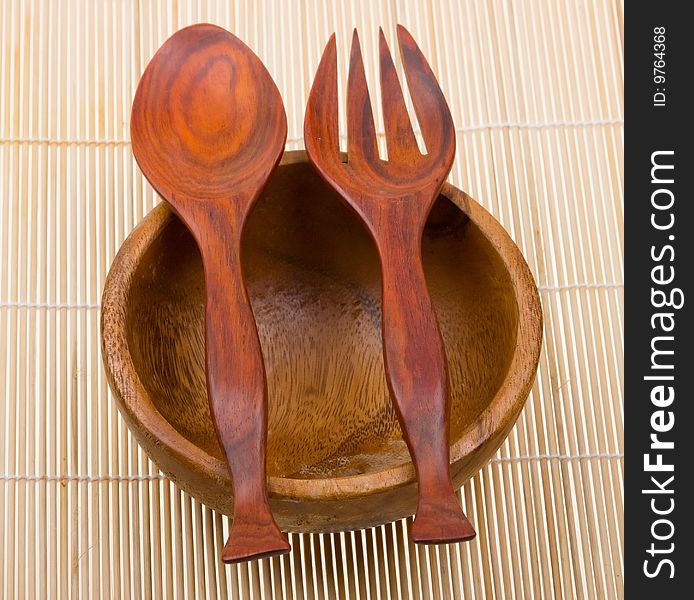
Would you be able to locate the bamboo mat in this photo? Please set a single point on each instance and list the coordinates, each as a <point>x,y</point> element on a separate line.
<point>535,88</point>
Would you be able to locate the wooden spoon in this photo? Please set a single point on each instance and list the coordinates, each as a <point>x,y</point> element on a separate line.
<point>393,198</point>
<point>208,127</point>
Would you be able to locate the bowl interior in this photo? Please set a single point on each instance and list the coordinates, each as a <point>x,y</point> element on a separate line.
<point>314,281</point>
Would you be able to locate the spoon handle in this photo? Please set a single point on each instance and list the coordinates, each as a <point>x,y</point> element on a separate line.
<point>237,395</point>
<point>418,380</point>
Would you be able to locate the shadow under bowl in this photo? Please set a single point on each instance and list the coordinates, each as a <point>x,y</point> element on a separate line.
<point>335,456</point>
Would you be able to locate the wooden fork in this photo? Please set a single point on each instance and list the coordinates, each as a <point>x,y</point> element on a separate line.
<point>393,198</point>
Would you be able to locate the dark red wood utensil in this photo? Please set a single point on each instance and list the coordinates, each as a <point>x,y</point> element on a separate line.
<point>393,198</point>
<point>208,127</point>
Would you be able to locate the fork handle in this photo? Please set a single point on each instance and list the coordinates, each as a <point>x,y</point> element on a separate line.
<point>418,380</point>
<point>237,394</point>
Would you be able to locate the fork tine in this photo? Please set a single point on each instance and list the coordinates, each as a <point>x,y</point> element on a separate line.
<point>431,107</point>
<point>320,122</point>
<point>361,133</point>
<point>399,135</point>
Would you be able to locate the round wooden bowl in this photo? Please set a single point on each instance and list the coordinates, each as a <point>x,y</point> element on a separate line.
<point>336,458</point>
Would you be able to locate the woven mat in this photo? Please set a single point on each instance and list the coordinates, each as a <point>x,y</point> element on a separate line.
<point>536,92</point>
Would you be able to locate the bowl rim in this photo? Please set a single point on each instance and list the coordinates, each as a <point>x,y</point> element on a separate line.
<point>492,424</point>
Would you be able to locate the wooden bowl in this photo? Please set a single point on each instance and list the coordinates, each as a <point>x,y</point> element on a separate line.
<point>336,458</point>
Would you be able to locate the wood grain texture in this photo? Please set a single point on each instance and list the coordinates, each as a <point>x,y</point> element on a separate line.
<point>207,128</point>
<point>336,457</point>
<point>393,197</point>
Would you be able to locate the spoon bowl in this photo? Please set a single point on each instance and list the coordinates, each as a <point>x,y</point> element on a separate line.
<point>200,130</point>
